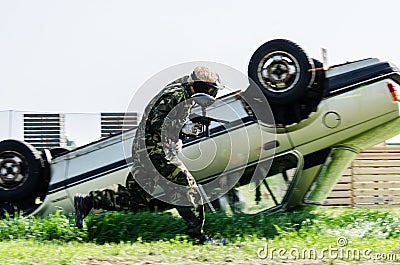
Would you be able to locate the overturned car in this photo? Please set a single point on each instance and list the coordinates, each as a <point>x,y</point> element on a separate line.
<point>290,156</point>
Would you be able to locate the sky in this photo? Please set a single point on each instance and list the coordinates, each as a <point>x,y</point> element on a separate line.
<point>92,56</point>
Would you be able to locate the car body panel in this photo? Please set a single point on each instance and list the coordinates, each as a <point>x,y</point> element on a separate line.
<point>357,110</point>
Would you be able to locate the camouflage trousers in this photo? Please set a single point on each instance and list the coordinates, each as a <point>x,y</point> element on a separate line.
<point>179,190</point>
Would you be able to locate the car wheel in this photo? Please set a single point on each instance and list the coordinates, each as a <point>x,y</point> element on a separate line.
<point>21,169</point>
<point>286,76</point>
<point>280,68</point>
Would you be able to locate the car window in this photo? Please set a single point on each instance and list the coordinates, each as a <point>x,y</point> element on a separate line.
<point>230,110</point>
<point>233,112</point>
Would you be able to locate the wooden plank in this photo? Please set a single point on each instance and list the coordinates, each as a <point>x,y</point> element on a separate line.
<point>381,149</point>
<point>343,186</point>
<point>376,185</point>
<point>347,172</point>
<point>338,201</point>
<point>381,206</point>
<point>379,200</point>
<point>341,194</point>
<point>372,178</point>
<point>376,163</point>
<point>345,179</point>
<point>381,192</point>
<point>378,156</point>
<point>375,170</point>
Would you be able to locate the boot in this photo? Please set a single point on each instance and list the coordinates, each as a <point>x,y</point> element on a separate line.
<point>83,205</point>
<point>207,239</point>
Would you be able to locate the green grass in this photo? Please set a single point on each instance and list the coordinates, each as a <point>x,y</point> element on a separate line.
<point>126,238</point>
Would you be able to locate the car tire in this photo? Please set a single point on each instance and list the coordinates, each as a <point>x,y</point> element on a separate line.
<point>288,80</point>
<point>280,68</point>
<point>21,170</point>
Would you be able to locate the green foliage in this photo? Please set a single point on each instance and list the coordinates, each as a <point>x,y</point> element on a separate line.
<point>360,223</point>
<point>241,226</point>
<point>130,227</point>
<point>127,226</point>
<point>57,226</point>
<point>144,227</point>
<point>123,237</point>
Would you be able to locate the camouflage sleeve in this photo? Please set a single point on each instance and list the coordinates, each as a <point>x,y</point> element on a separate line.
<point>182,80</point>
<point>167,118</point>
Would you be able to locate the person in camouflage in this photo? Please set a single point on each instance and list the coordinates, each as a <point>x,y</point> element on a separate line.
<point>155,160</point>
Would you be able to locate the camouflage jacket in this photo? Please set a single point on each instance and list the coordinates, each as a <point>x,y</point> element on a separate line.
<point>164,117</point>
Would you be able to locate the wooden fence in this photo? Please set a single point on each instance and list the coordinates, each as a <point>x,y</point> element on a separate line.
<point>373,179</point>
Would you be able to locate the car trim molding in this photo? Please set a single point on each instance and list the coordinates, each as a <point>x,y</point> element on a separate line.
<point>341,90</point>
<point>87,176</point>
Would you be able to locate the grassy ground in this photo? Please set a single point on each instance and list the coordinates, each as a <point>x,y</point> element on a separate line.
<point>157,238</point>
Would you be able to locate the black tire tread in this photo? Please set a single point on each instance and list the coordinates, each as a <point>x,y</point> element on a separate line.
<point>36,169</point>
<point>292,106</point>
